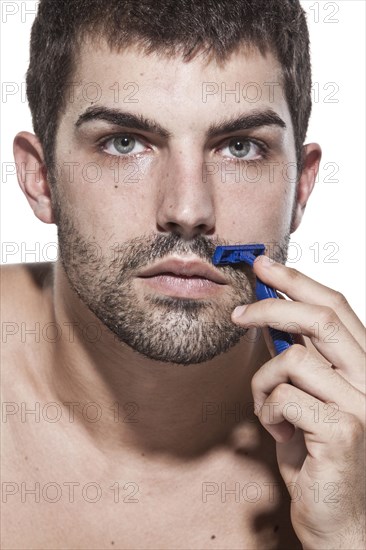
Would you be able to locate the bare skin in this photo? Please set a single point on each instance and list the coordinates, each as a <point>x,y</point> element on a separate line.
<point>146,483</point>
<point>171,441</point>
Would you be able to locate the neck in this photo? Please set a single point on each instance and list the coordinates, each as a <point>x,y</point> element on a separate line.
<point>124,400</point>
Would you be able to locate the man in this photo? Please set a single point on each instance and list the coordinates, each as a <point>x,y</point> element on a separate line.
<point>159,416</point>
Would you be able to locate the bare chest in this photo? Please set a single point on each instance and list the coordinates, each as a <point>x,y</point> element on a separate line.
<point>57,494</point>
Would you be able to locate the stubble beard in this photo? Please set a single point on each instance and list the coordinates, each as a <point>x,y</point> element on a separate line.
<point>162,328</point>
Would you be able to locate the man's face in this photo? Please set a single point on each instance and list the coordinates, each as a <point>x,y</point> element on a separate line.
<point>130,197</point>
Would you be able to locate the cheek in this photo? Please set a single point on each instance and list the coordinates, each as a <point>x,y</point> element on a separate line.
<point>257,208</point>
<point>106,201</point>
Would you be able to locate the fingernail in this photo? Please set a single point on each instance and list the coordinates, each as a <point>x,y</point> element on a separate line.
<point>264,260</point>
<point>238,311</point>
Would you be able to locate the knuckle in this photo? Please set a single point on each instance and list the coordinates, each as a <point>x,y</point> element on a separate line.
<point>327,315</point>
<point>296,354</point>
<point>338,300</point>
<point>258,379</point>
<point>282,392</point>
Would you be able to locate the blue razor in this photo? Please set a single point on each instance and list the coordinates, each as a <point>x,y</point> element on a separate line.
<point>247,253</point>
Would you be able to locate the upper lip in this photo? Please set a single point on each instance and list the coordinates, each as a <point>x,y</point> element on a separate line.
<point>188,268</point>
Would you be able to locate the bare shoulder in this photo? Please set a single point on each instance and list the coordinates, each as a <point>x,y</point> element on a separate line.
<point>22,285</point>
<point>26,294</point>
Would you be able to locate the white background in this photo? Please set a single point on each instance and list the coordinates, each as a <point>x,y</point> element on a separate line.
<point>329,245</point>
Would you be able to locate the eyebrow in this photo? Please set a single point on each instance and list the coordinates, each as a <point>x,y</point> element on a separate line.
<point>255,119</point>
<point>122,118</point>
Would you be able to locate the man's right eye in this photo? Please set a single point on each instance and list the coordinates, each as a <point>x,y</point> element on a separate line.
<point>122,145</point>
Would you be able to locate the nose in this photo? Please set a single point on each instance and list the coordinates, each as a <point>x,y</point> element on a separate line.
<point>186,204</point>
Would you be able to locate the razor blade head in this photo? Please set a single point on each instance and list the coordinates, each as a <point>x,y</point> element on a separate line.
<point>225,255</point>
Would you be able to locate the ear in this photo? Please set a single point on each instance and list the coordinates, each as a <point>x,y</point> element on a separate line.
<point>312,154</point>
<point>32,175</point>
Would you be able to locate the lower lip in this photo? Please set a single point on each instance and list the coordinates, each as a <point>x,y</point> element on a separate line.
<point>183,287</point>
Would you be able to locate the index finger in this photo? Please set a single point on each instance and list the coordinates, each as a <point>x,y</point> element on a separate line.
<point>301,288</point>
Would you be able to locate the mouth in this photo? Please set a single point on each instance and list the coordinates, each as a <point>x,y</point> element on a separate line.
<point>184,278</point>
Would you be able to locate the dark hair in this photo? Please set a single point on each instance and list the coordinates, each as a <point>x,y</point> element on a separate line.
<point>168,27</point>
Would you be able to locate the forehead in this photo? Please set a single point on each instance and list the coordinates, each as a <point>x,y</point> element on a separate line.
<point>193,91</point>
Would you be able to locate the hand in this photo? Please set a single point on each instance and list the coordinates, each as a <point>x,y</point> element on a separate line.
<point>311,399</point>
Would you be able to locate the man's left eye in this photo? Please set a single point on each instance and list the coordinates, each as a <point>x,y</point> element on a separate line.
<point>245,149</point>
<point>123,145</point>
